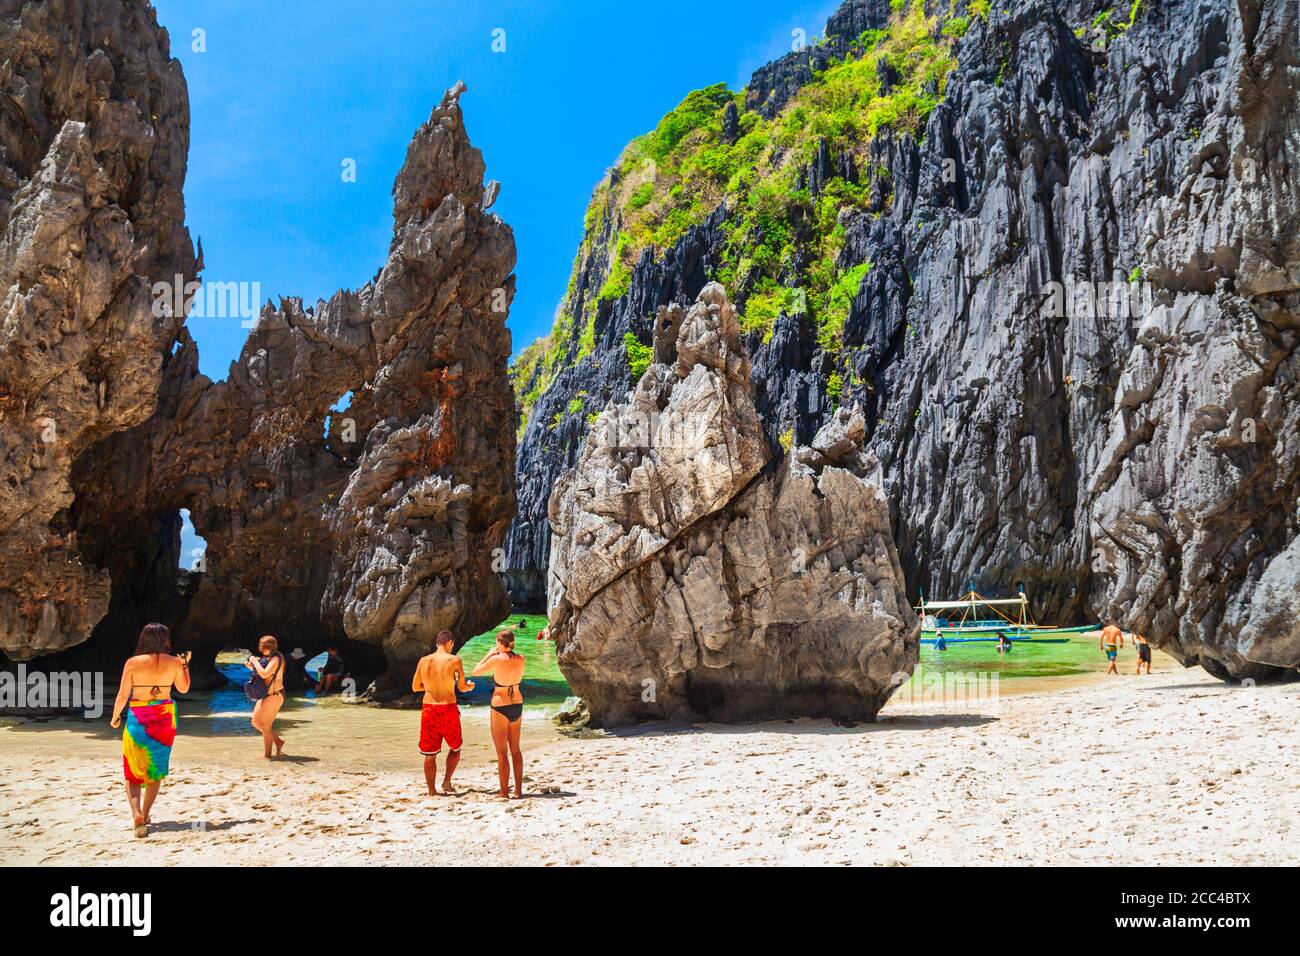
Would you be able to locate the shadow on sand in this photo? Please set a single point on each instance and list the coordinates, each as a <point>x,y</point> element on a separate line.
<point>187,725</point>
<point>198,826</point>
<point>491,792</point>
<point>295,758</point>
<point>802,725</point>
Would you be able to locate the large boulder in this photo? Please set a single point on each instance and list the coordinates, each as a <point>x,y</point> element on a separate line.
<point>684,445</point>
<point>687,583</point>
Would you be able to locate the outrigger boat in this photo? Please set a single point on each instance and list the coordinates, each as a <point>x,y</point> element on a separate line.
<point>967,619</point>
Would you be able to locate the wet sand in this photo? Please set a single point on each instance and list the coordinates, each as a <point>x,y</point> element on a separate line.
<point>1174,768</point>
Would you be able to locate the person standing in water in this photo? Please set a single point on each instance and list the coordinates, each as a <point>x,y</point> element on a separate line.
<point>269,667</point>
<point>1144,652</point>
<point>1111,640</point>
<point>439,675</point>
<point>507,722</point>
<point>146,692</point>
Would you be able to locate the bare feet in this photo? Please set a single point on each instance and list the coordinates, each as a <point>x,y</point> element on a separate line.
<point>279,746</point>
<point>504,794</point>
<point>141,826</point>
<point>447,789</point>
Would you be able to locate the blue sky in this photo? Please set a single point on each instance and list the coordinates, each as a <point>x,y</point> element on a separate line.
<point>286,90</point>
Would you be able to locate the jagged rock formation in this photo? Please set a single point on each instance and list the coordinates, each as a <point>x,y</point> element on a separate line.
<point>373,525</point>
<point>377,523</point>
<point>1133,464</point>
<point>686,584</point>
<point>94,132</point>
<point>1193,477</point>
<point>553,437</point>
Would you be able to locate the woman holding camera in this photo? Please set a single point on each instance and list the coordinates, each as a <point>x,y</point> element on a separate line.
<point>145,696</point>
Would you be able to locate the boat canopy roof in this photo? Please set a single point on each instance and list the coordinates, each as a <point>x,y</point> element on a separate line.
<point>944,605</point>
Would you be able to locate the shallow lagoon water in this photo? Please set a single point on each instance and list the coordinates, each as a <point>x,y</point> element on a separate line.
<point>1055,656</point>
<point>545,689</point>
<point>334,734</point>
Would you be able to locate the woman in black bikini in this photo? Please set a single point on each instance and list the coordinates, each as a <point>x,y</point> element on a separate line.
<point>507,669</point>
<point>271,669</point>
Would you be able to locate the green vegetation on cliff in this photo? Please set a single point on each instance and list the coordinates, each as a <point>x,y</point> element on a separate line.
<point>782,246</point>
<point>639,356</point>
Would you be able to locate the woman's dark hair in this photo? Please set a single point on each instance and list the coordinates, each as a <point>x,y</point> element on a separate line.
<point>507,640</point>
<point>154,639</point>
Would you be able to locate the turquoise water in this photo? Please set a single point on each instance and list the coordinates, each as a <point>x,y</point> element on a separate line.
<point>543,683</point>
<point>1062,654</point>
<point>1057,656</point>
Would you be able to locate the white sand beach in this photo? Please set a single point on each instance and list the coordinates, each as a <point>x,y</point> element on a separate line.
<point>1174,768</point>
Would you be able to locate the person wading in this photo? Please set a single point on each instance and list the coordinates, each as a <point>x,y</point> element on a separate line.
<point>266,690</point>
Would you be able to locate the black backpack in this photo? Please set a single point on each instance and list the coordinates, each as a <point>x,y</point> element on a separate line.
<point>256,687</point>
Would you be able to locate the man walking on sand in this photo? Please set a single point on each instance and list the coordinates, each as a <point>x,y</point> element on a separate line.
<point>439,675</point>
<point>1111,640</point>
<point>1144,652</point>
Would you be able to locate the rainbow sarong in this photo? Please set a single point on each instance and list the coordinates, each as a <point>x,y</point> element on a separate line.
<point>147,740</point>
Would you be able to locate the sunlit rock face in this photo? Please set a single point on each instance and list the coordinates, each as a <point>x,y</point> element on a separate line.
<point>373,524</point>
<point>686,582</point>
<point>1194,487</point>
<point>93,140</point>
<point>1135,462</point>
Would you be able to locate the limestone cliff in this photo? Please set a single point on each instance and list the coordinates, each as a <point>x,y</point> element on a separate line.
<point>375,523</point>
<point>372,524</point>
<point>94,132</point>
<point>1050,249</point>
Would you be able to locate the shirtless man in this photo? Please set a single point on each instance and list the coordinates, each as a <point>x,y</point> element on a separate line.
<point>1111,640</point>
<point>439,675</point>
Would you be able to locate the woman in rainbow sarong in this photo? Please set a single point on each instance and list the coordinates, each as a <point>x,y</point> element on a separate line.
<point>146,692</point>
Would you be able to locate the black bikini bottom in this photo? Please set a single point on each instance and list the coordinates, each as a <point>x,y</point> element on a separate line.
<point>510,712</point>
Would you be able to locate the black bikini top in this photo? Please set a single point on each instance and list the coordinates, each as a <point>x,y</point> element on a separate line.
<point>155,690</point>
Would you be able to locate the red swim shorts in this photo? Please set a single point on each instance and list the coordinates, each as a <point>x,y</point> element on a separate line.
<point>439,722</point>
